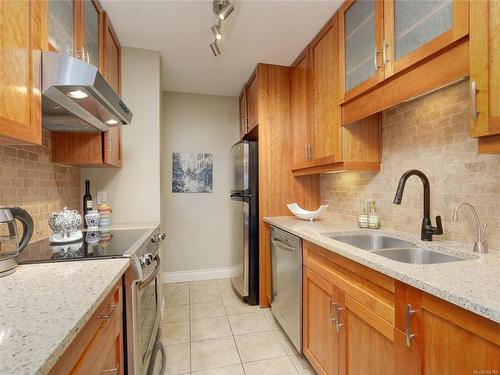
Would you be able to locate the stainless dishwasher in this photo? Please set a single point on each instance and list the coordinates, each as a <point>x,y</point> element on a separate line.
<point>286,280</point>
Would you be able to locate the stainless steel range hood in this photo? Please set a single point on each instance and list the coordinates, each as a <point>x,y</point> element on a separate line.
<point>76,97</point>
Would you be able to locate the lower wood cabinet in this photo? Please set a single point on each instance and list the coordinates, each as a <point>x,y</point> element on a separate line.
<point>98,348</point>
<point>358,321</point>
<point>320,339</point>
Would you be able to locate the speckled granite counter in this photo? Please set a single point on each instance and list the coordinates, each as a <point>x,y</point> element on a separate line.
<point>44,306</point>
<point>473,284</point>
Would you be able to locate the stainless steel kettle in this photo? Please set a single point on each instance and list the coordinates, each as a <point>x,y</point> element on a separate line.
<point>10,244</point>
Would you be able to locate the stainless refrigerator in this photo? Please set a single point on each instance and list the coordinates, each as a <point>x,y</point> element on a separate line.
<point>244,197</point>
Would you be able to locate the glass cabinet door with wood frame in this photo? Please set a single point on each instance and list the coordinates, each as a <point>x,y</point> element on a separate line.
<point>361,35</point>
<point>61,25</point>
<point>415,30</point>
<point>92,32</point>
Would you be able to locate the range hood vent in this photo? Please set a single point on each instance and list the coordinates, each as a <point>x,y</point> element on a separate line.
<point>77,98</point>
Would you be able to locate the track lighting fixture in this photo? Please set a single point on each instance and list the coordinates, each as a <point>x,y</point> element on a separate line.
<point>222,9</point>
<point>215,48</point>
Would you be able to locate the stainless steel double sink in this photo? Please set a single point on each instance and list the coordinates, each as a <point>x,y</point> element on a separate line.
<point>393,248</point>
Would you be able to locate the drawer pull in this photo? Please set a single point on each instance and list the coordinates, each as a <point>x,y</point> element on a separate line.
<point>110,371</point>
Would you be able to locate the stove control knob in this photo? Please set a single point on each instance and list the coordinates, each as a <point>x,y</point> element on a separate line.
<point>158,237</point>
<point>146,260</point>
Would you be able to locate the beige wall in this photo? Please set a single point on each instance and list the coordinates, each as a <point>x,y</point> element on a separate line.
<point>430,134</point>
<point>199,228</point>
<point>30,180</point>
<point>134,190</point>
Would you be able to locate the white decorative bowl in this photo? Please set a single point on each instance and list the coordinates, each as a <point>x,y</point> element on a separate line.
<point>304,214</point>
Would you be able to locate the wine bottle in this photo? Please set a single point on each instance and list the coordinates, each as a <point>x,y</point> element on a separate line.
<point>87,200</point>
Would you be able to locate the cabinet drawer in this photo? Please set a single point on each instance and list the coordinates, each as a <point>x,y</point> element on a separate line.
<point>83,352</point>
<point>374,290</point>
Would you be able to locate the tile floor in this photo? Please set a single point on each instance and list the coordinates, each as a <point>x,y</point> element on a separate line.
<point>208,330</point>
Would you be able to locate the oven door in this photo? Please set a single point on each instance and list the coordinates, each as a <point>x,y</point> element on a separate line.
<point>148,312</point>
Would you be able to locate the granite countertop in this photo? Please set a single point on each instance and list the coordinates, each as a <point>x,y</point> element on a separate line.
<point>44,306</point>
<point>473,284</point>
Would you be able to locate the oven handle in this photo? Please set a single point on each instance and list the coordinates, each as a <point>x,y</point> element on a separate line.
<point>150,278</point>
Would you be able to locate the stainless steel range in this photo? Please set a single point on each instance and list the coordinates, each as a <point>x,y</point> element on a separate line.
<point>142,284</point>
<point>143,308</point>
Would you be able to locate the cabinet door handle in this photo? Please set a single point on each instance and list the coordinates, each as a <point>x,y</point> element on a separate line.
<point>375,62</point>
<point>108,316</point>
<point>110,371</point>
<point>473,93</point>
<point>110,145</point>
<point>338,309</point>
<point>384,53</point>
<point>409,336</point>
<point>332,318</point>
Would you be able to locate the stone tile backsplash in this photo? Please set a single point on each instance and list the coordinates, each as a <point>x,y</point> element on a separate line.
<point>28,179</point>
<point>430,134</point>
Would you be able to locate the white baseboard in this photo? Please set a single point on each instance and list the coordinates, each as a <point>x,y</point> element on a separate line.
<point>197,275</point>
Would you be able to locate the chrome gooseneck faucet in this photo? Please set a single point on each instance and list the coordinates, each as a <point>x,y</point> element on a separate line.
<point>427,230</point>
<point>480,246</point>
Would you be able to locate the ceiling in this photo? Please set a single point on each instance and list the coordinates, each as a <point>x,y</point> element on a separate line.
<point>271,31</point>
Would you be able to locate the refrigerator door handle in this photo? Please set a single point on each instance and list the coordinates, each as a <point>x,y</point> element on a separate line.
<point>240,195</point>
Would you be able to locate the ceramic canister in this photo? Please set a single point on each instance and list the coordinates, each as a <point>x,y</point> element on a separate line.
<point>92,219</point>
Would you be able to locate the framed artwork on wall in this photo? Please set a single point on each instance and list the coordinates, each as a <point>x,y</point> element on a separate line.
<point>192,172</point>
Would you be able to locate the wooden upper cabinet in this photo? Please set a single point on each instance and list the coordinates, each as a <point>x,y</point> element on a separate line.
<point>111,52</point>
<point>300,109</point>
<point>485,74</point>
<point>414,30</point>
<point>94,149</point>
<point>75,28</point>
<point>243,112</point>
<point>320,337</point>
<point>325,94</point>
<point>111,70</point>
<point>392,38</point>
<point>252,102</point>
<point>361,37</point>
<point>22,35</point>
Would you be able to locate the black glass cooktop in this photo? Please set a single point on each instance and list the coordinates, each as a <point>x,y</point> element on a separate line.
<point>93,245</point>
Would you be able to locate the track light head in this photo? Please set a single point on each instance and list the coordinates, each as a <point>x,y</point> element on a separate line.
<point>226,11</point>
<point>215,48</point>
<point>217,32</point>
<point>222,8</point>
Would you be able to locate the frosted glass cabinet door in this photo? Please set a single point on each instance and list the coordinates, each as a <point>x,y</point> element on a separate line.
<point>415,30</point>
<point>61,25</point>
<point>419,22</point>
<point>92,32</point>
<point>360,27</point>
